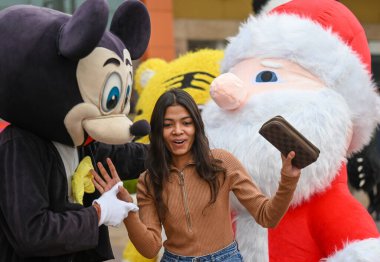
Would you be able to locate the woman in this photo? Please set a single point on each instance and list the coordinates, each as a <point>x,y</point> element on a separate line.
<point>186,189</point>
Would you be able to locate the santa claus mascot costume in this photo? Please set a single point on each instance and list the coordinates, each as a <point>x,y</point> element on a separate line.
<point>309,62</point>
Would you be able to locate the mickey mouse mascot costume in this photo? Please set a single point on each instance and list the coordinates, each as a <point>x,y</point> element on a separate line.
<point>64,82</point>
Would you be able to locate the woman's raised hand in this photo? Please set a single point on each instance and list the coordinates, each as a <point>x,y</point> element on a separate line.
<point>108,181</point>
<point>113,203</point>
<point>287,168</point>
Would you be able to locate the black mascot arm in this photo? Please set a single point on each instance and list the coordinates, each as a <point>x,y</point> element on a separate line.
<point>129,159</point>
<point>35,218</point>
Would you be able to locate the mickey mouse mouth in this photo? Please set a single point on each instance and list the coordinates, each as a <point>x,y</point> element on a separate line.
<point>85,122</point>
<point>112,129</point>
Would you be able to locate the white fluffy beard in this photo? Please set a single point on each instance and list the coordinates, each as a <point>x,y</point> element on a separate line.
<point>321,116</point>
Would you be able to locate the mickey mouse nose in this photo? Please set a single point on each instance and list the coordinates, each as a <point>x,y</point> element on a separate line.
<point>140,128</point>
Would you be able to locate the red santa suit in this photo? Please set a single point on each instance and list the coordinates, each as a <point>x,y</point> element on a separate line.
<point>308,61</point>
<point>316,229</point>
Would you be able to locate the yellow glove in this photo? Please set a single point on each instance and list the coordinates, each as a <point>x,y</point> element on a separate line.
<point>131,185</point>
<point>81,181</point>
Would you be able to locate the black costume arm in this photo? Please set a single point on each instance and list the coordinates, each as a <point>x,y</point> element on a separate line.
<point>128,159</point>
<point>34,208</point>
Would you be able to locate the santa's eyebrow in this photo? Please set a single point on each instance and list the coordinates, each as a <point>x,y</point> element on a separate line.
<point>272,64</point>
<point>112,61</point>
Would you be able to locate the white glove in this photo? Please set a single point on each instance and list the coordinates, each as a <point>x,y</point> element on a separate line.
<point>113,210</point>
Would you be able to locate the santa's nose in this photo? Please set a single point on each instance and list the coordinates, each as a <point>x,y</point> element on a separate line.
<point>228,91</point>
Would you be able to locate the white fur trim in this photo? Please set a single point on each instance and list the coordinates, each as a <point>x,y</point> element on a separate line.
<point>322,116</point>
<point>319,51</point>
<point>367,250</point>
<point>270,5</point>
<point>252,239</point>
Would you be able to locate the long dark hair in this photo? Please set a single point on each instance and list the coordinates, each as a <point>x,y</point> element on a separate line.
<point>159,158</point>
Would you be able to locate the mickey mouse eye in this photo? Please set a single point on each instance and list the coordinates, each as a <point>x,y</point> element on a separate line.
<point>111,92</point>
<point>266,76</point>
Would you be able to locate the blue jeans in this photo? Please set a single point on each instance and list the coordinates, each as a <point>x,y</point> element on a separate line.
<point>230,253</point>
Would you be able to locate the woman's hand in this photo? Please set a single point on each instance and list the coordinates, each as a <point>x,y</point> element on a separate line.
<point>112,205</point>
<point>108,181</point>
<point>287,168</point>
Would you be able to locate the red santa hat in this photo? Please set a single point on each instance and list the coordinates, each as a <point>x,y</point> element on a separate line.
<point>326,39</point>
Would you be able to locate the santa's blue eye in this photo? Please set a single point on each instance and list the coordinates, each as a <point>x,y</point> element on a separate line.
<point>111,92</point>
<point>266,76</point>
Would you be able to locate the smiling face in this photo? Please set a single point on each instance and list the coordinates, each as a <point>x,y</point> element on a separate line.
<point>105,83</point>
<point>178,134</point>
<point>192,72</point>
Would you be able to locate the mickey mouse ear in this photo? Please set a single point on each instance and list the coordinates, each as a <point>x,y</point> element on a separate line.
<point>80,35</point>
<point>131,23</point>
